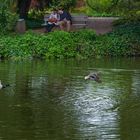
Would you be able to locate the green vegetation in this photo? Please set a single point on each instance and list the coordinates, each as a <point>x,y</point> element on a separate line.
<point>113,7</point>
<point>57,44</point>
<point>66,4</point>
<point>123,41</point>
<point>7,17</point>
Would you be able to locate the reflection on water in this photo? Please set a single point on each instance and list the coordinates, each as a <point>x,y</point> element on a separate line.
<point>50,100</point>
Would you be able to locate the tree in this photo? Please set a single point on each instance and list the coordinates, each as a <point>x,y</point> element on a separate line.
<point>23,8</point>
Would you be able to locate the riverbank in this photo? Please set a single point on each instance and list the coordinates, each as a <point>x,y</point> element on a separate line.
<point>124,40</point>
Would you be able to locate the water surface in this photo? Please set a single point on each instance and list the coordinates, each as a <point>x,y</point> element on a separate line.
<point>50,100</point>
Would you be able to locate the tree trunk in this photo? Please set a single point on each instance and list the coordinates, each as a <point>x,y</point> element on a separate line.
<point>23,8</point>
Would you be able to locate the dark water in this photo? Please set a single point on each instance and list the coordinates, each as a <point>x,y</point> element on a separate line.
<point>50,100</point>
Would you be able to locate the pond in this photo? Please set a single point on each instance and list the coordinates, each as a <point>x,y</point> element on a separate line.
<point>50,100</point>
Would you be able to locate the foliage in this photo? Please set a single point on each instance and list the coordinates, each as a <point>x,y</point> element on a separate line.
<point>8,19</point>
<point>80,10</point>
<point>90,12</point>
<point>128,20</point>
<point>124,40</point>
<point>127,7</point>
<point>115,7</point>
<point>66,4</point>
<point>37,14</point>
<point>56,44</point>
<point>99,5</point>
<point>8,4</point>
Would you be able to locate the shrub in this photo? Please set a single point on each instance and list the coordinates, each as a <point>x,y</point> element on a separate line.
<point>100,5</point>
<point>7,20</point>
<point>57,44</point>
<point>124,40</point>
<point>113,7</point>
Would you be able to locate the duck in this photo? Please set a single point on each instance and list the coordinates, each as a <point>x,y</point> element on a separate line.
<point>3,86</point>
<point>93,76</point>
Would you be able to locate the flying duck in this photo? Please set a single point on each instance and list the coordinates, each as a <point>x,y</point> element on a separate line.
<point>93,76</point>
<point>3,86</point>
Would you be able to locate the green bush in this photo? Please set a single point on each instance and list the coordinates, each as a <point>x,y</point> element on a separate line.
<point>7,20</point>
<point>38,14</point>
<point>131,19</point>
<point>57,44</point>
<point>99,5</point>
<point>113,7</point>
<point>124,40</point>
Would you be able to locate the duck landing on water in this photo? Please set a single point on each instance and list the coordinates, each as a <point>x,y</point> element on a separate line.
<point>3,85</point>
<point>93,76</point>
